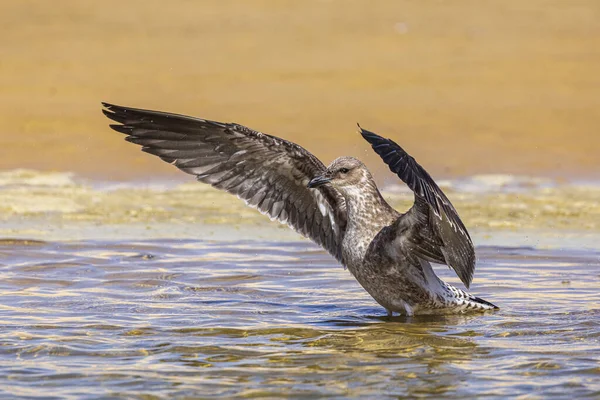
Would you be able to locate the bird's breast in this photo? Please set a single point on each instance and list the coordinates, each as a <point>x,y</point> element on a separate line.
<point>356,244</point>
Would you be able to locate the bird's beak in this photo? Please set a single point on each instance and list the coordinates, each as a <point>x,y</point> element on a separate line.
<point>318,181</point>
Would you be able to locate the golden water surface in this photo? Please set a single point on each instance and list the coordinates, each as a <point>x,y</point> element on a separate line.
<point>137,290</point>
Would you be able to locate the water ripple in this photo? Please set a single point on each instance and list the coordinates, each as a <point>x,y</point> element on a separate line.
<point>244,319</point>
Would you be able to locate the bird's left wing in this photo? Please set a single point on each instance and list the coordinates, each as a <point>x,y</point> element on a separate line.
<point>268,173</point>
<point>438,234</point>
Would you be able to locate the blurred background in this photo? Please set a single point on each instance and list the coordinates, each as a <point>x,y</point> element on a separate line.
<point>467,87</point>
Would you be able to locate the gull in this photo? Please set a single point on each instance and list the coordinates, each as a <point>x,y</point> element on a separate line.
<point>339,207</point>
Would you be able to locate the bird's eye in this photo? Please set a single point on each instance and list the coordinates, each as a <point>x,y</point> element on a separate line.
<point>344,170</point>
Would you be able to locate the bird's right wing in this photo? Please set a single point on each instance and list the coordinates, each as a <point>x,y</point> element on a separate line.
<point>268,173</point>
<point>437,234</point>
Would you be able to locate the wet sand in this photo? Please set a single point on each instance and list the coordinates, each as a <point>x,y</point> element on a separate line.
<point>467,87</point>
<point>497,209</point>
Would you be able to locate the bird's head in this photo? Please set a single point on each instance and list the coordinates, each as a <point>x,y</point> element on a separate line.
<point>343,173</point>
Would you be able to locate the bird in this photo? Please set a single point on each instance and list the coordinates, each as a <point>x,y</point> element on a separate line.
<point>338,206</point>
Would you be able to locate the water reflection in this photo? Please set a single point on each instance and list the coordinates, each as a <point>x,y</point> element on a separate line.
<point>243,319</point>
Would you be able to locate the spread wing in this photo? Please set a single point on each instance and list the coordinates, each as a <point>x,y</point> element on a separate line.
<point>267,172</point>
<point>438,234</point>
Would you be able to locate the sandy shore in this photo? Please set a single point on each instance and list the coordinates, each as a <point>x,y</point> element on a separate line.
<point>467,87</point>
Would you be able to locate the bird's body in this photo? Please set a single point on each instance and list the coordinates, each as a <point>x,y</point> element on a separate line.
<point>373,252</point>
<point>339,206</point>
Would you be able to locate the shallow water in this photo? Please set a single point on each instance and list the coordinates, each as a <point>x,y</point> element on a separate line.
<point>174,318</point>
<point>498,209</point>
<point>159,291</point>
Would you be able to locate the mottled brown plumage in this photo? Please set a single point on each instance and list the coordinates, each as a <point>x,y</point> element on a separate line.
<point>339,206</point>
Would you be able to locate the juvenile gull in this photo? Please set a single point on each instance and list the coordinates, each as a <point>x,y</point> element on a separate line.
<point>339,207</point>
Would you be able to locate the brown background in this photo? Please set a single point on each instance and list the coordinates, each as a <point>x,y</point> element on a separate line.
<point>465,86</point>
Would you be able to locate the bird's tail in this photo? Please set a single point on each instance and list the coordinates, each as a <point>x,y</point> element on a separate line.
<point>463,301</point>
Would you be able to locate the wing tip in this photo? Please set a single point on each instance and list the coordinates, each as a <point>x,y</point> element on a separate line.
<point>109,107</point>
<point>467,280</point>
<point>466,273</point>
<point>127,130</point>
<point>113,112</point>
<point>369,136</point>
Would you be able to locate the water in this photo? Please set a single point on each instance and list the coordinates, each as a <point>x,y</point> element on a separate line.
<point>114,290</point>
<point>239,319</point>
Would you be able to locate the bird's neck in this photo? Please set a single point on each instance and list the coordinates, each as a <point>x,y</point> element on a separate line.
<point>368,213</point>
<point>367,209</point>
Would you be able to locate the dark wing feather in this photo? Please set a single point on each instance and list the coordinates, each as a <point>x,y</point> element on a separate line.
<point>440,236</point>
<point>267,172</point>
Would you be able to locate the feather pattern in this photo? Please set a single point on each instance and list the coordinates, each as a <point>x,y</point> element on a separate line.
<point>437,232</point>
<point>268,173</point>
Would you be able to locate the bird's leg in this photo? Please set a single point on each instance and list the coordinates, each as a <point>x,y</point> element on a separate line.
<point>390,313</point>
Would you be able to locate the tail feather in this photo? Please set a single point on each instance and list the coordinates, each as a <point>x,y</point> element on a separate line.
<point>465,301</point>
<point>485,303</point>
